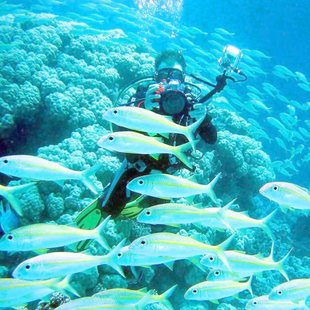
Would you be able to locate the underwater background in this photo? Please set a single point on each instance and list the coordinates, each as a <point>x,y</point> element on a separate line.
<point>63,63</point>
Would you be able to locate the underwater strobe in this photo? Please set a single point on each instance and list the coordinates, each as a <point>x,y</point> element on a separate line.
<point>230,59</point>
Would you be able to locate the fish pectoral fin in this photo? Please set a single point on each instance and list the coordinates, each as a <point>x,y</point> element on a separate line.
<point>286,208</point>
<point>60,182</point>
<point>215,301</point>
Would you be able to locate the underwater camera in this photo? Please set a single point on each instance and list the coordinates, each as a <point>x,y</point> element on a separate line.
<point>230,58</point>
<point>172,97</point>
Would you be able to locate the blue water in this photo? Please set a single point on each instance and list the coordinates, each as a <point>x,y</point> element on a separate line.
<point>59,72</point>
<point>277,27</point>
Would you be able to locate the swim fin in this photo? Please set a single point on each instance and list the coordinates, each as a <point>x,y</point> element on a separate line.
<point>89,218</point>
<point>133,208</point>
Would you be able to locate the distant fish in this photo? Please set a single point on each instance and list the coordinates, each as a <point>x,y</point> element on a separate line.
<point>256,54</point>
<point>15,292</point>
<point>37,168</point>
<point>61,264</point>
<point>8,218</point>
<point>10,192</point>
<point>46,236</point>
<point>264,303</point>
<point>283,72</point>
<point>136,143</point>
<point>169,186</point>
<point>214,290</point>
<point>147,121</point>
<point>295,290</point>
<point>223,32</point>
<point>288,195</point>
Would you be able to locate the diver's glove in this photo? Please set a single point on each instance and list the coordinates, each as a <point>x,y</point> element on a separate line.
<point>152,97</point>
<point>199,110</point>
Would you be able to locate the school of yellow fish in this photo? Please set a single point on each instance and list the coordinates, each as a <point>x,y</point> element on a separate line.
<point>231,271</point>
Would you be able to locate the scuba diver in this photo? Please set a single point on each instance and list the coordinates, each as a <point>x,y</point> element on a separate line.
<point>167,93</point>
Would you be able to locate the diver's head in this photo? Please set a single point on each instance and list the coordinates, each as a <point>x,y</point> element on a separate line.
<point>169,65</point>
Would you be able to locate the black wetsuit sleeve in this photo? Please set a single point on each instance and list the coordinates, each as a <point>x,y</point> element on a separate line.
<point>207,130</point>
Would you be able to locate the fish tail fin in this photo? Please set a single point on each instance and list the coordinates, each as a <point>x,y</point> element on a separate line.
<point>64,285</point>
<point>140,305</point>
<point>249,285</point>
<point>100,231</point>
<point>15,202</point>
<point>85,177</point>
<point>221,251</point>
<point>209,188</point>
<point>228,205</point>
<point>179,152</point>
<point>280,265</point>
<point>265,225</point>
<point>191,132</point>
<point>111,258</point>
<point>163,298</point>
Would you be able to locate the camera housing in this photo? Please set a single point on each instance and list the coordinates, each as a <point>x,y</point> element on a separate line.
<point>230,58</point>
<point>172,97</point>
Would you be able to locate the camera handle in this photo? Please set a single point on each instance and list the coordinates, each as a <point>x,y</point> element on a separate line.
<point>220,83</point>
<point>218,87</point>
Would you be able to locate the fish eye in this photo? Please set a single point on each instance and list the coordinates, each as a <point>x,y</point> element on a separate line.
<point>27,267</point>
<point>5,161</point>
<point>148,212</point>
<point>195,291</point>
<point>111,138</point>
<point>10,237</point>
<point>140,182</point>
<point>275,188</point>
<point>119,255</point>
<point>217,273</point>
<point>254,302</point>
<point>143,242</point>
<point>211,258</point>
<point>279,293</point>
<point>114,111</point>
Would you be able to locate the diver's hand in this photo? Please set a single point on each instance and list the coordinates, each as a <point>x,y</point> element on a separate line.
<point>199,110</point>
<point>150,96</point>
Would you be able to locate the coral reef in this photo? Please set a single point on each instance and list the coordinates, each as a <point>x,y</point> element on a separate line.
<point>54,87</point>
